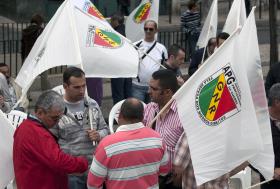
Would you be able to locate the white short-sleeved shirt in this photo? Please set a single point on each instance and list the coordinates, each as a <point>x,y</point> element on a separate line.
<point>147,65</point>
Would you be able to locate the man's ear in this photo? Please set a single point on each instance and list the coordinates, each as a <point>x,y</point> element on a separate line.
<point>65,85</point>
<point>172,57</point>
<point>120,117</point>
<point>40,112</point>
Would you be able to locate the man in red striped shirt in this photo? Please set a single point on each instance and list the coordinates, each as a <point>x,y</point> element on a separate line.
<point>133,157</point>
<point>162,86</point>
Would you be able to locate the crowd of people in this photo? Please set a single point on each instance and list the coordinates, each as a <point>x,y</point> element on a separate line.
<point>66,142</point>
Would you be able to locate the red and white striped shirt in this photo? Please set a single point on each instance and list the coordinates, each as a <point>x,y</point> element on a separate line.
<point>133,157</point>
<point>169,127</point>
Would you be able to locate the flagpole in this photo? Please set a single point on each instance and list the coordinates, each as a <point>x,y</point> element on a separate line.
<point>181,88</point>
<point>260,183</point>
<point>76,41</point>
<point>161,111</point>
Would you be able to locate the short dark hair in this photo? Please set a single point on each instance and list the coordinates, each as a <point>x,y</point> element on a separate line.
<point>222,35</point>
<point>118,17</point>
<point>3,65</point>
<point>274,93</point>
<point>37,19</point>
<point>210,41</point>
<point>152,21</point>
<point>132,109</point>
<point>72,71</point>
<point>167,79</point>
<point>191,4</point>
<point>174,50</point>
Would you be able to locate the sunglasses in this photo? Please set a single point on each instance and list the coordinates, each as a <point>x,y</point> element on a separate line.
<point>149,29</point>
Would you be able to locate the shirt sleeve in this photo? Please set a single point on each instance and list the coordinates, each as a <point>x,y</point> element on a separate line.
<point>182,153</point>
<point>102,126</point>
<point>165,163</point>
<point>98,170</point>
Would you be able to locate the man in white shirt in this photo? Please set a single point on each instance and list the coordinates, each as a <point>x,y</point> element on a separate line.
<point>150,63</point>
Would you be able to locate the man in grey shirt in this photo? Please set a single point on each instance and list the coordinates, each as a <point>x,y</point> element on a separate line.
<point>73,131</point>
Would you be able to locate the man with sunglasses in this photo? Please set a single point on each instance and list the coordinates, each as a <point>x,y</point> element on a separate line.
<point>38,160</point>
<point>152,54</point>
<point>162,87</point>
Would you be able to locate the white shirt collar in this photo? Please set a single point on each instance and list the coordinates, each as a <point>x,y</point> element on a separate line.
<point>130,127</point>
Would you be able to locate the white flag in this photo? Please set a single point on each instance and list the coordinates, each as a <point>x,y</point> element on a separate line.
<point>134,26</point>
<point>54,47</point>
<point>6,151</point>
<point>216,109</point>
<point>236,16</point>
<point>250,56</point>
<point>209,29</point>
<point>105,53</point>
<point>78,38</point>
<point>88,7</point>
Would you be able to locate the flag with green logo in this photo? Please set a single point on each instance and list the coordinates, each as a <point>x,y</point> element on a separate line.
<point>78,35</point>
<point>216,109</point>
<point>134,26</point>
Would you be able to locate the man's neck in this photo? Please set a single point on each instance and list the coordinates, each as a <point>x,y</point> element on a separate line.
<point>149,40</point>
<point>161,105</point>
<point>169,64</point>
<point>67,99</point>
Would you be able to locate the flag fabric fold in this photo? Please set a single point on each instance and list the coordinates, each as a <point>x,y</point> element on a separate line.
<point>105,53</point>
<point>217,112</point>
<point>236,16</point>
<point>78,34</point>
<point>89,8</point>
<point>6,151</point>
<point>209,29</point>
<point>54,47</point>
<point>134,26</point>
<point>263,161</point>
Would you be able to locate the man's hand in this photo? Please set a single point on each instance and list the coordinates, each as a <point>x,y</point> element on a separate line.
<point>276,174</point>
<point>180,80</point>
<point>1,101</point>
<point>93,135</point>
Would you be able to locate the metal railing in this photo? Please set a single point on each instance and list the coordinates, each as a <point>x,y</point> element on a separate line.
<point>10,45</point>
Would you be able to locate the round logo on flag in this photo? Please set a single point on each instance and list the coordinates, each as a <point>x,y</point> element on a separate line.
<point>92,10</point>
<point>218,97</point>
<point>102,38</point>
<point>142,12</point>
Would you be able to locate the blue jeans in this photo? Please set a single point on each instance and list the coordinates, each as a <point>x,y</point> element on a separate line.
<point>141,93</point>
<point>192,40</point>
<point>121,89</point>
<point>77,182</point>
